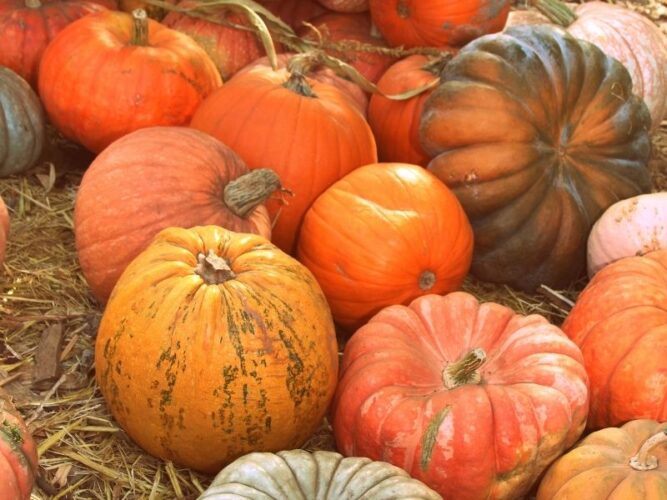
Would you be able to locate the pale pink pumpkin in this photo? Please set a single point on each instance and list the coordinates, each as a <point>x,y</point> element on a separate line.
<point>623,34</point>
<point>345,5</point>
<point>634,226</point>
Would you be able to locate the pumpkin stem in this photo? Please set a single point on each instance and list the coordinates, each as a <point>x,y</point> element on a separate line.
<point>33,4</point>
<point>438,64</point>
<point>213,268</point>
<point>556,11</point>
<point>464,371</point>
<point>427,280</point>
<point>244,194</point>
<point>642,461</point>
<point>140,28</point>
<point>299,66</point>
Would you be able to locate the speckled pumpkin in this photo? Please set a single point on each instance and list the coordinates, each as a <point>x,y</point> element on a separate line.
<point>215,344</point>
<point>18,453</point>
<point>322,475</point>
<point>21,124</point>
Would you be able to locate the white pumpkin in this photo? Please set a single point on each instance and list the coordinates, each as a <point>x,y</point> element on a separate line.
<point>322,475</point>
<point>629,227</point>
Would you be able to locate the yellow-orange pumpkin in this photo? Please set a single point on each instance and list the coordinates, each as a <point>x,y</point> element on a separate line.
<point>214,344</point>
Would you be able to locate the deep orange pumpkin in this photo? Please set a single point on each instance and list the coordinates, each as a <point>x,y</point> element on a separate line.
<point>27,27</point>
<point>472,399</point>
<point>395,123</point>
<point>620,323</point>
<point>104,76</point>
<point>308,132</point>
<point>215,344</point>
<point>437,23</point>
<point>4,230</point>
<point>149,180</point>
<point>229,47</point>
<point>382,235</point>
<point>18,453</point>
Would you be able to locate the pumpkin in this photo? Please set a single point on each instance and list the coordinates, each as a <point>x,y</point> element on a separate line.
<point>343,37</point>
<point>229,47</point>
<point>322,74</point>
<point>22,125</point>
<point>629,227</point>
<point>628,463</point>
<point>437,23</point>
<point>18,453</point>
<point>308,132</point>
<point>27,27</point>
<point>620,323</point>
<point>537,133</point>
<point>4,230</point>
<point>112,73</point>
<point>294,12</point>
<point>345,5</point>
<point>382,235</point>
<point>633,39</point>
<point>238,349</point>
<point>325,475</point>
<point>390,119</point>
<point>471,399</point>
<point>156,178</point>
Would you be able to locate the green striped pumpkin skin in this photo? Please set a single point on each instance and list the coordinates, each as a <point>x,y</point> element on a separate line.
<point>201,373</point>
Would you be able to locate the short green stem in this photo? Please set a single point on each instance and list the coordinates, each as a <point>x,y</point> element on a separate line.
<point>464,371</point>
<point>140,28</point>
<point>556,11</point>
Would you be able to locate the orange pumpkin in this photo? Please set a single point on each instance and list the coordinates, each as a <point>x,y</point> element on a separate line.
<point>109,74</point>
<point>627,463</point>
<point>383,235</point>
<point>620,323</point>
<point>308,132</point>
<point>215,344</point>
<point>4,230</point>
<point>18,453</point>
<point>345,5</point>
<point>156,178</point>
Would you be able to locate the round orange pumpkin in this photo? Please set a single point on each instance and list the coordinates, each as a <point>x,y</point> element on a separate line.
<point>308,132</point>
<point>385,234</point>
<point>215,344</point>
<point>109,74</point>
<point>18,453</point>
<point>620,323</point>
<point>471,399</point>
<point>627,463</point>
<point>4,230</point>
<point>537,133</point>
<point>156,178</point>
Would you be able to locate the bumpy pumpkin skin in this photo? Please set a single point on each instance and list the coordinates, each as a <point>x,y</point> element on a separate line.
<point>491,436</point>
<point>22,124</point>
<point>416,240</point>
<point>324,475</point>
<point>149,180</point>
<point>537,134</point>
<point>18,453</point>
<point>4,230</point>
<point>27,27</point>
<point>626,35</point>
<point>437,23</point>
<point>249,364</point>
<point>635,226</point>
<point>599,467</point>
<point>620,323</point>
<point>309,141</point>
<point>124,87</point>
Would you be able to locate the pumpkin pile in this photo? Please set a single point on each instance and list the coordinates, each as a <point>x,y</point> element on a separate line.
<point>275,184</point>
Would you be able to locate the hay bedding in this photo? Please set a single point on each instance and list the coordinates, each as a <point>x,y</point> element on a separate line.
<point>83,453</point>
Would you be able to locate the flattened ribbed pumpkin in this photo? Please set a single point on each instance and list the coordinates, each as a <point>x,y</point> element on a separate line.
<point>537,133</point>
<point>214,344</point>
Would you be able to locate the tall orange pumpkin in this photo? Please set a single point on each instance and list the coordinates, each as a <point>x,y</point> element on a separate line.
<point>156,178</point>
<point>215,344</point>
<point>383,235</point>
<point>308,132</point>
<point>620,323</point>
<point>112,73</point>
